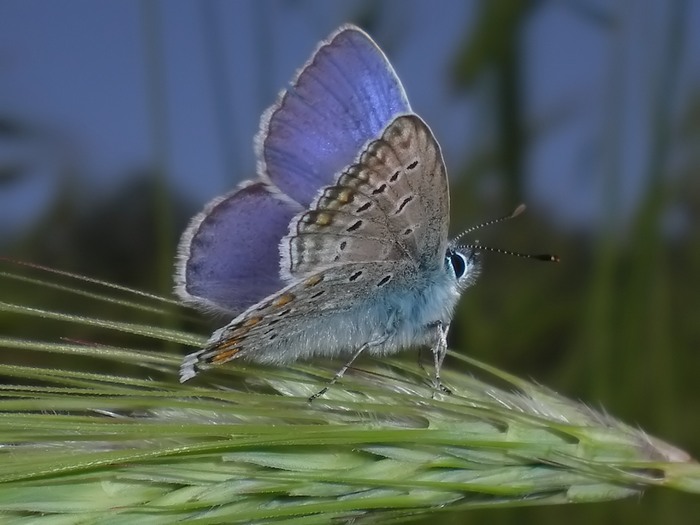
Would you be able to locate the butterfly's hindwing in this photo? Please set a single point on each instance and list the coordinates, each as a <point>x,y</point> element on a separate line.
<point>323,314</point>
<point>227,256</point>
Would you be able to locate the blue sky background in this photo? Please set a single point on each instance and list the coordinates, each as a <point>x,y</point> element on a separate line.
<point>80,72</point>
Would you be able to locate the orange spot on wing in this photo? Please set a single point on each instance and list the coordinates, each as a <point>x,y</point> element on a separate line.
<point>283,299</point>
<point>345,196</point>
<point>323,219</point>
<point>226,355</point>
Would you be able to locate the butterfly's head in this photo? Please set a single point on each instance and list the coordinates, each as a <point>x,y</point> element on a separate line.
<point>462,263</point>
<point>462,260</point>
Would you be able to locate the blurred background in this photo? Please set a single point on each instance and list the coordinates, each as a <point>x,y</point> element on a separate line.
<point>120,120</point>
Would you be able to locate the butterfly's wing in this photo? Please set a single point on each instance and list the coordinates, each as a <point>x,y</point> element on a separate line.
<point>342,98</point>
<point>345,95</point>
<point>316,316</point>
<point>393,204</point>
<point>228,257</point>
<point>345,254</point>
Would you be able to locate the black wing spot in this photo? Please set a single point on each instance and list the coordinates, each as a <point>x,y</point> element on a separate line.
<point>408,231</point>
<point>379,190</point>
<point>395,176</point>
<point>354,226</point>
<point>318,294</point>
<point>343,245</point>
<point>403,204</point>
<point>355,275</point>
<point>272,337</point>
<point>412,165</point>
<point>384,280</point>
<point>366,206</point>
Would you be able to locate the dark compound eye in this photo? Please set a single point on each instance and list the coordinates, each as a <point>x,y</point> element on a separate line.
<point>458,262</point>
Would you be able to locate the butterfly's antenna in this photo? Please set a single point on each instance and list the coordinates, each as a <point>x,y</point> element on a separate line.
<point>538,256</point>
<point>476,246</point>
<point>517,211</point>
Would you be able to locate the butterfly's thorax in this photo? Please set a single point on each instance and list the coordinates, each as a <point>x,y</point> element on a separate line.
<point>411,311</point>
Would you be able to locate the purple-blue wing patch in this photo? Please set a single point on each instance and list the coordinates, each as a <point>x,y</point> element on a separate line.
<point>344,97</point>
<point>229,255</point>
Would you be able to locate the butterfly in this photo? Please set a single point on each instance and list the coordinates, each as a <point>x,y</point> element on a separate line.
<point>340,246</point>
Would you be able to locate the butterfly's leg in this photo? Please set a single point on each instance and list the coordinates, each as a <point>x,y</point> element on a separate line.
<point>439,353</point>
<point>347,365</point>
<point>340,372</point>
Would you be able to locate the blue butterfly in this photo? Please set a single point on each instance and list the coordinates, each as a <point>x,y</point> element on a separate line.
<point>340,246</point>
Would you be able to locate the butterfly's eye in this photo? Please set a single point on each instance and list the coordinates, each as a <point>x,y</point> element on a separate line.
<point>457,261</point>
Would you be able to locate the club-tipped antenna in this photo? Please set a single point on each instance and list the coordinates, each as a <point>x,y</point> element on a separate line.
<point>512,215</point>
<point>548,257</point>
<point>479,247</point>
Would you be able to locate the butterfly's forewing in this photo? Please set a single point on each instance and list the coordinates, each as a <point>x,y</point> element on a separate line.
<point>344,97</point>
<point>393,204</point>
<point>228,256</point>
